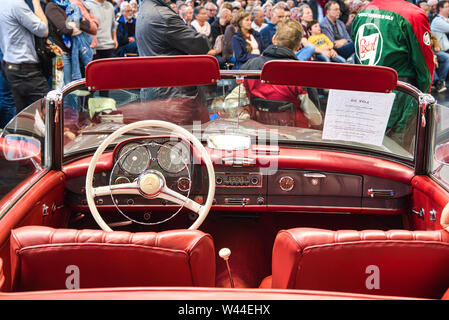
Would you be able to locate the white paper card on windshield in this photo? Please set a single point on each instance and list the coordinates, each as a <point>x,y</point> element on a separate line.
<point>357,116</point>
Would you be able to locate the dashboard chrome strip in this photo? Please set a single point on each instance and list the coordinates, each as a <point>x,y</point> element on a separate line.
<point>265,209</point>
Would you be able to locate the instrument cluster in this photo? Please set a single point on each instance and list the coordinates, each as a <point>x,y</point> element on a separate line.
<point>133,157</point>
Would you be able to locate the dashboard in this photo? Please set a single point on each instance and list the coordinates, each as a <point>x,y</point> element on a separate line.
<point>304,180</point>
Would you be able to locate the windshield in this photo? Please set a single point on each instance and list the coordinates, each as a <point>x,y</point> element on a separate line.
<point>22,148</point>
<point>384,123</point>
<point>439,148</point>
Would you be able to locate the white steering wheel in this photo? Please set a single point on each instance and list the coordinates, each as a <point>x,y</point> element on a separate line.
<point>150,184</point>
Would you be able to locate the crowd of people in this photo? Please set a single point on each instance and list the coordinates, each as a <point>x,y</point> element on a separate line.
<point>241,30</point>
<point>235,32</point>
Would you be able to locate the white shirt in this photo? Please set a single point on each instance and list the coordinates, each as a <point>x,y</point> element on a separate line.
<point>439,27</point>
<point>104,12</point>
<point>205,29</point>
<point>256,27</point>
<point>254,45</point>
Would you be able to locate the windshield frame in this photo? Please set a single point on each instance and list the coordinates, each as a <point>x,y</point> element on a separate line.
<point>437,138</point>
<point>418,163</point>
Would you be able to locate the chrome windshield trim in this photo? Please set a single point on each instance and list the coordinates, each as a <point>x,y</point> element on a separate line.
<point>408,88</point>
<point>72,85</point>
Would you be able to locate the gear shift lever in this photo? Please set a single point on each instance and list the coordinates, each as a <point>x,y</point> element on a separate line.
<point>224,253</point>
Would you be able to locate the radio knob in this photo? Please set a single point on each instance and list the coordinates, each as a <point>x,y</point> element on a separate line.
<point>260,201</point>
<point>219,180</point>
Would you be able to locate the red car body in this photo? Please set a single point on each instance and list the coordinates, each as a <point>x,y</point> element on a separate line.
<point>332,221</point>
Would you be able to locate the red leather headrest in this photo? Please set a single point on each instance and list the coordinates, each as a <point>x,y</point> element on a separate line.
<point>149,72</point>
<point>330,75</point>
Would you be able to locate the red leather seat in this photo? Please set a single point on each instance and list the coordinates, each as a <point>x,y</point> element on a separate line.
<point>395,262</point>
<point>43,258</point>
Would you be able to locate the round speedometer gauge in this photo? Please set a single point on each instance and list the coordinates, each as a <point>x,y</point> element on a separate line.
<point>173,156</point>
<point>134,158</point>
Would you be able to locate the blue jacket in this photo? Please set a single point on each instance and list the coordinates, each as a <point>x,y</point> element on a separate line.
<point>125,29</point>
<point>267,33</point>
<point>81,51</point>
<point>239,47</point>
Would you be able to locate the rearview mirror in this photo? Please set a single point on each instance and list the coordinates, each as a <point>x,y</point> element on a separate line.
<point>18,147</point>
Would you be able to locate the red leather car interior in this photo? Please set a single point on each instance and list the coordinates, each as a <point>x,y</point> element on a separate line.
<point>43,258</point>
<point>2,276</point>
<point>428,196</point>
<point>446,295</point>
<point>42,191</point>
<point>395,262</point>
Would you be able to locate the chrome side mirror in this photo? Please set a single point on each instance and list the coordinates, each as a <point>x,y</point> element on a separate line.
<point>18,147</point>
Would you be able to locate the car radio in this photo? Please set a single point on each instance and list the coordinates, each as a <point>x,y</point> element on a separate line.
<point>247,179</point>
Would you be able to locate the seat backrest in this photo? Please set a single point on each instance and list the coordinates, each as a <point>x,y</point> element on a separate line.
<point>43,258</point>
<point>395,262</point>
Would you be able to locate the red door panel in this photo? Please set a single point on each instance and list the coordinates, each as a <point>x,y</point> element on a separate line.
<point>428,201</point>
<point>29,210</point>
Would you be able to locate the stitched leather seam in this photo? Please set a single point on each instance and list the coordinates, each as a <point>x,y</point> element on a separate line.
<point>50,247</point>
<point>379,242</point>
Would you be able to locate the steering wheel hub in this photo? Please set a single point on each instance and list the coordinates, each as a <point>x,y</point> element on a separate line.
<point>151,184</point>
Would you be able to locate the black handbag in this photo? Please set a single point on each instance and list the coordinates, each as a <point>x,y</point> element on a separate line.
<point>45,55</point>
